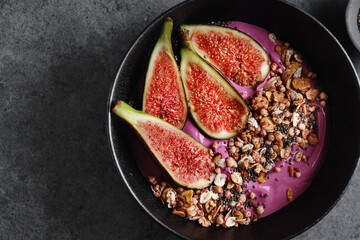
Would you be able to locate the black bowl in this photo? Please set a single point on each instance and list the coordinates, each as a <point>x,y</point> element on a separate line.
<point>336,74</point>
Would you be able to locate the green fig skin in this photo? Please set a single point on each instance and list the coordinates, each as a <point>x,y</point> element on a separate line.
<point>164,95</point>
<point>189,32</point>
<point>186,160</point>
<point>216,107</point>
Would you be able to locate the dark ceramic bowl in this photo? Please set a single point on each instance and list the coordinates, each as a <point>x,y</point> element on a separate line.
<point>351,18</point>
<point>336,74</point>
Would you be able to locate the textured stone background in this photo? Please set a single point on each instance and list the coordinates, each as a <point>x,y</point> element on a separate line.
<point>57,62</point>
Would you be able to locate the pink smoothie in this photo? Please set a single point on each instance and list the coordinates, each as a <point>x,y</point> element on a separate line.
<point>275,190</point>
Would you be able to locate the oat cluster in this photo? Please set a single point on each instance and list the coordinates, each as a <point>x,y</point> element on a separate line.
<point>282,124</point>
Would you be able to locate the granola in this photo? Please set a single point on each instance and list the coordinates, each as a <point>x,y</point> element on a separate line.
<point>282,125</point>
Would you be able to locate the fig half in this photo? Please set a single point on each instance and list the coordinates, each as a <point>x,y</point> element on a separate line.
<point>187,161</point>
<point>164,95</point>
<point>216,107</point>
<point>233,53</point>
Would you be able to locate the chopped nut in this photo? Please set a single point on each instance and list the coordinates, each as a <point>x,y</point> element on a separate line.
<point>227,194</point>
<point>211,152</point>
<point>247,147</point>
<point>165,192</point>
<point>242,198</point>
<point>260,209</point>
<point>301,83</point>
<point>272,38</point>
<point>220,220</point>
<point>214,146</point>
<point>230,162</point>
<point>152,180</point>
<point>220,179</point>
<point>230,185</point>
<point>298,156</point>
<point>209,205</point>
<point>217,158</point>
<point>277,169</point>
<point>262,178</point>
<point>230,222</point>
<point>258,168</point>
<point>179,212</point>
<point>280,97</point>
<point>236,177</point>
<point>290,70</point>
<point>267,124</point>
<point>313,139</point>
<point>204,222</point>
<point>289,194</point>
<point>218,189</point>
<point>238,214</point>
<point>188,194</point>
<point>232,150</point>
<point>252,195</point>
<point>247,214</point>
<point>279,49</point>
<point>312,94</point>
<point>291,171</point>
<point>297,174</point>
<point>285,152</point>
<point>268,94</point>
<point>271,82</point>
<point>323,96</point>
<point>206,196</point>
<point>191,211</point>
<point>260,103</point>
<point>264,112</point>
<point>221,163</point>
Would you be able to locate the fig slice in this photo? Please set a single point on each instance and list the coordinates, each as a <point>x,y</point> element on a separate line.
<point>186,160</point>
<point>164,95</point>
<point>216,107</point>
<point>233,53</point>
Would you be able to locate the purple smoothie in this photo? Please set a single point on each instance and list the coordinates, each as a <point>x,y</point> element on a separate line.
<point>275,190</point>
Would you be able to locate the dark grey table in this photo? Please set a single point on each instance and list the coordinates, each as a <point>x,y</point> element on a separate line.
<point>57,62</point>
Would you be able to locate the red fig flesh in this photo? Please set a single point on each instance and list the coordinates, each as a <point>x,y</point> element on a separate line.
<point>187,161</point>
<point>214,104</point>
<point>164,95</point>
<point>235,54</point>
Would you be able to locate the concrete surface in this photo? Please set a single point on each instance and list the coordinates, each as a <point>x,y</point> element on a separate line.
<point>57,62</point>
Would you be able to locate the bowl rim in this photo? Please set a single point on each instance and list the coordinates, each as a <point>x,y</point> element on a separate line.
<point>112,92</point>
<point>351,13</point>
